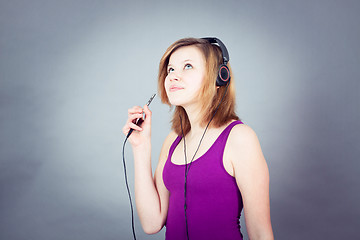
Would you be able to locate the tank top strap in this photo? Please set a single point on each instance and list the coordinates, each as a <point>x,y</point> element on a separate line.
<point>173,145</point>
<point>225,134</point>
<point>227,130</point>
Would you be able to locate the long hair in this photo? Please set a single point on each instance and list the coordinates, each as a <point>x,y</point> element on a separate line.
<point>210,95</point>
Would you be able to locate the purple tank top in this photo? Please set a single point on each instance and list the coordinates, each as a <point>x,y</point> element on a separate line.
<point>214,201</point>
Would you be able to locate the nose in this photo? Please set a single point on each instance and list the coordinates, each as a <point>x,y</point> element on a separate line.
<point>173,76</point>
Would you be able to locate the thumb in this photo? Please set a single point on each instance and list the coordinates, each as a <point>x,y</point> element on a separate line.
<point>148,114</point>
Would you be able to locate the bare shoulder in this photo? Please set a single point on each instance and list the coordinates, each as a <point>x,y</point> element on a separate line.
<point>242,134</point>
<point>244,146</point>
<point>164,153</point>
<point>170,138</point>
<point>166,145</point>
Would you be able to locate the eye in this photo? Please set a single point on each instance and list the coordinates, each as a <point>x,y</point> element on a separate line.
<point>170,69</point>
<point>188,66</point>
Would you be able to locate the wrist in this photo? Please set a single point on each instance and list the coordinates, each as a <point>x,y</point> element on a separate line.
<point>144,146</point>
<point>142,152</point>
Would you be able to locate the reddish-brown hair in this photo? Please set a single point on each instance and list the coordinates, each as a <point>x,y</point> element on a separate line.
<point>210,95</point>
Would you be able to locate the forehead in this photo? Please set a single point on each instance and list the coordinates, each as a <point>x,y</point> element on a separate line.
<point>186,53</point>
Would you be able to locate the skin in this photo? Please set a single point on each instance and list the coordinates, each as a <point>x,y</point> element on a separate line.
<point>243,157</point>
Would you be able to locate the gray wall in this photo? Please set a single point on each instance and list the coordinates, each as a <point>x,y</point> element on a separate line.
<point>69,70</point>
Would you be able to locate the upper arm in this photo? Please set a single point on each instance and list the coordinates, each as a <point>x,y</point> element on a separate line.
<point>252,177</point>
<point>158,177</point>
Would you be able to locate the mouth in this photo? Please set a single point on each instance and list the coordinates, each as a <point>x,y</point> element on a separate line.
<point>175,88</point>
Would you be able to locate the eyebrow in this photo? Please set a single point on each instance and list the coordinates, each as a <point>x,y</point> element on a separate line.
<point>186,60</point>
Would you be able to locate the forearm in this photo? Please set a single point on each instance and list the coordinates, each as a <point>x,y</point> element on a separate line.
<point>146,195</point>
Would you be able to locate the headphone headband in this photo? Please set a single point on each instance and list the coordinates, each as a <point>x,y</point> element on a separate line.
<point>224,51</point>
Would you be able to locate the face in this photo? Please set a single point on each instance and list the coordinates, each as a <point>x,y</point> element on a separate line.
<point>186,72</point>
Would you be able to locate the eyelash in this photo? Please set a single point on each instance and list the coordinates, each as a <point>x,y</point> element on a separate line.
<point>169,69</point>
<point>186,65</point>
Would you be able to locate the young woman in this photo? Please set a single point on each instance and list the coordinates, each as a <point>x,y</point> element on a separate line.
<point>211,165</point>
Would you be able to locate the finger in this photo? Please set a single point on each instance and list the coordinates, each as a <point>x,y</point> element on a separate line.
<point>129,126</point>
<point>134,110</point>
<point>135,127</point>
<point>134,117</point>
<point>148,113</point>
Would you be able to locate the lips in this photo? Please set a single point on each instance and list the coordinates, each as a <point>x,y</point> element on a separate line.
<point>175,88</point>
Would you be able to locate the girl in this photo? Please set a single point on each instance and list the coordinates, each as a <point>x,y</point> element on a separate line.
<point>211,164</point>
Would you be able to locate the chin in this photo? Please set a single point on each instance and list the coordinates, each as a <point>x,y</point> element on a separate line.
<point>175,102</point>
<point>181,101</point>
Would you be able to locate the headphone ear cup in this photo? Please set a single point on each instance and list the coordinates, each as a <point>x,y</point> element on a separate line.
<point>223,76</point>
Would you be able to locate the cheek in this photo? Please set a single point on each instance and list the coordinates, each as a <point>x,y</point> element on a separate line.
<point>199,82</point>
<point>166,84</point>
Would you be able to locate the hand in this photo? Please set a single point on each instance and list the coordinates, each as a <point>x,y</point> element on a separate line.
<point>141,134</point>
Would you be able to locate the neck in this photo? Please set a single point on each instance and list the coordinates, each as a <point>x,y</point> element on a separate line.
<point>195,121</point>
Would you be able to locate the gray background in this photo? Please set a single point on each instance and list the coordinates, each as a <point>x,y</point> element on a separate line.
<point>69,70</point>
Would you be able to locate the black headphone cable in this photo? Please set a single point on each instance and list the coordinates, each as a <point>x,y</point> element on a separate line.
<point>187,168</point>
<point>128,190</point>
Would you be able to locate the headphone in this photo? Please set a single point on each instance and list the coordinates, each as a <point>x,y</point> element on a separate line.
<point>224,73</point>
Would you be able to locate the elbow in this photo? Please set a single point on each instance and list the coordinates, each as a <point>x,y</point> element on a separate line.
<point>152,228</point>
<point>263,236</point>
<point>150,231</point>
